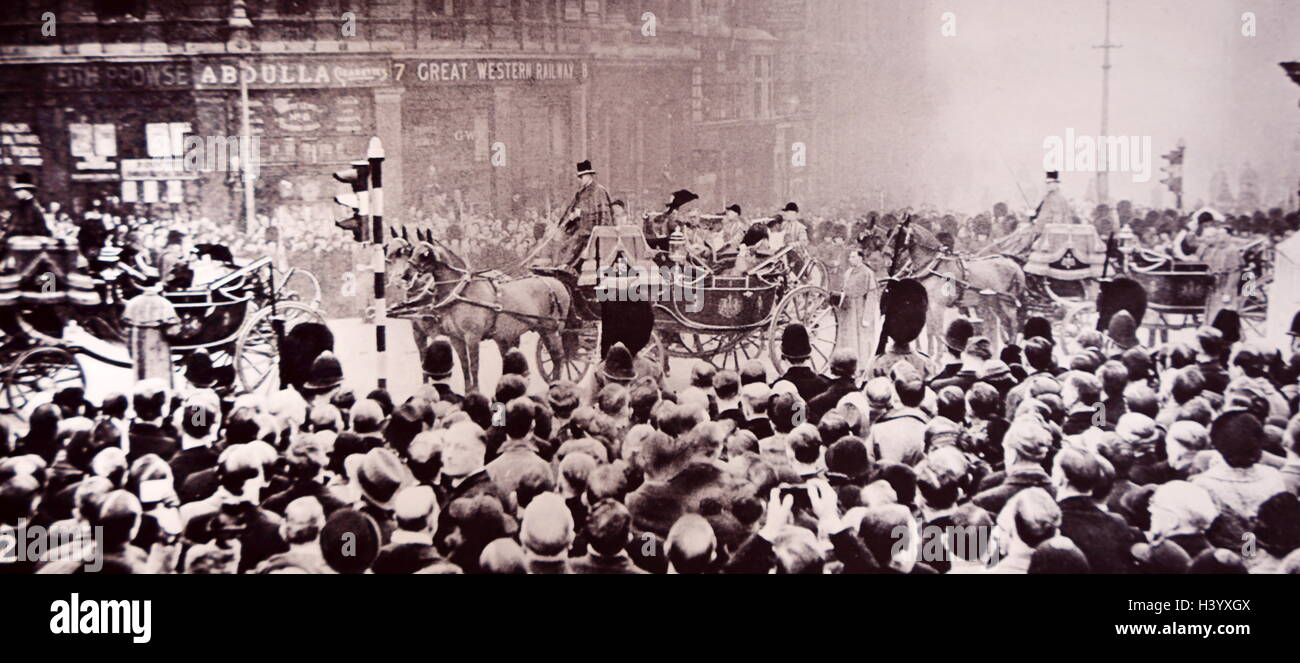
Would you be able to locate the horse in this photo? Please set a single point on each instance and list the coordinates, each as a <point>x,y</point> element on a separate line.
<point>443,294</point>
<point>992,286</point>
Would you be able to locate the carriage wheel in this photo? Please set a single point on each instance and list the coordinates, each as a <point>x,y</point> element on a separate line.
<point>580,347</point>
<point>298,285</point>
<point>811,306</point>
<point>814,273</point>
<point>747,346</point>
<point>39,370</point>
<point>256,356</point>
<point>693,345</point>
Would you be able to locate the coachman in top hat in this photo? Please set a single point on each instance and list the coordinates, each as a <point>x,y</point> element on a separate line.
<point>590,208</point>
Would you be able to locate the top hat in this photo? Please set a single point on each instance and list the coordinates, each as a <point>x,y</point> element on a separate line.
<point>681,197</point>
<point>1053,177</point>
<point>795,345</point>
<point>734,208</point>
<point>584,168</point>
<point>1295,325</point>
<point>326,372</point>
<point>617,366</point>
<point>23,181</point>
<point>437,359</point>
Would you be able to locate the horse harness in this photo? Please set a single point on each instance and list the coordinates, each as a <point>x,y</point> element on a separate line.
<point>457,296</point>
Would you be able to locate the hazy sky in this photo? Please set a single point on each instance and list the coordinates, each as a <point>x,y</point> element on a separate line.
<point>1018,71</point>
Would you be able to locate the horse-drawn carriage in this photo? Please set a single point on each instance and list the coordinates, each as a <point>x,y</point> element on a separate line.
<point>66,314</point>
<point>698,311</point>
<point>1179,294</point>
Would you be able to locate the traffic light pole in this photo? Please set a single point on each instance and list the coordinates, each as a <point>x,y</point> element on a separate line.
<point>375,232</point>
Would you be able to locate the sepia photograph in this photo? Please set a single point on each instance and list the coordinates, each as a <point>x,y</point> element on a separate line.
<point>650,287</point>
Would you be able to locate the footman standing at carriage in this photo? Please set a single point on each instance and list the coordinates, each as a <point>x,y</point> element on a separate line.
<point>861,309</point>
<point>149,317</point>
<point>591,207</point>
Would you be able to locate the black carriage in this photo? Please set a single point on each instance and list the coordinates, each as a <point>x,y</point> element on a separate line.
<point>232,317</point>
<point>699,311</point>
<point>1178,291</point>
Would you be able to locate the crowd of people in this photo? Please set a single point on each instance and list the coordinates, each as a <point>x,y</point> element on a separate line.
<point>1087,454</point>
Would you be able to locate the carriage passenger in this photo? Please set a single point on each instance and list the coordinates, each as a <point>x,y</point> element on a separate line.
<point>754,249</point>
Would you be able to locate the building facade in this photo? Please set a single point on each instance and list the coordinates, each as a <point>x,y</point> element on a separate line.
<point>483,105</point>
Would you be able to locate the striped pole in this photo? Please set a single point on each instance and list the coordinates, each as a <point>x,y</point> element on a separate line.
<point>375,154</point>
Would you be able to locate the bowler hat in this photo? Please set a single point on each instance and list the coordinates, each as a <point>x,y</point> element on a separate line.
<point>326,372</point>
<point>791,207</point>
<point>381,475</point>
<point>734,208</point>
<point>960,330</point>
<point>795,345</point>
<point>437,359</point>
<point>349,541</point>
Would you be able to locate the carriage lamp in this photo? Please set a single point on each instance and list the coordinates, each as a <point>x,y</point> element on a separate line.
<point>677,246</point>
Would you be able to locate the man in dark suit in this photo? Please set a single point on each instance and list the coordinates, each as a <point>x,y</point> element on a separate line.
<point>844,368</point>
<point>976,352</point>
<point>1026,445</point>
<point>960,330</point>
<point>797,350</point>
<point>1104,538</point>
<point>437,369</point>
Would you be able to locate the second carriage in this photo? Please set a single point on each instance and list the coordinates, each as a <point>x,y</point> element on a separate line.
<point>234,317</point>
<point>699,312</point>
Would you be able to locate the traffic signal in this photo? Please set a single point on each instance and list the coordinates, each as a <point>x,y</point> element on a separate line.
<point>358,177</point>
<point>1174,170</point>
